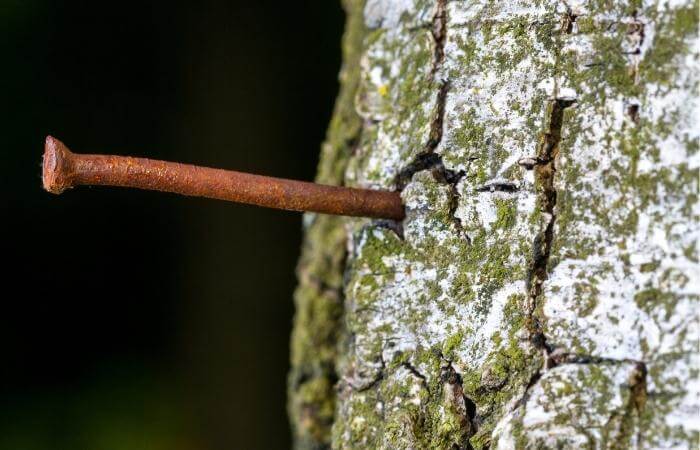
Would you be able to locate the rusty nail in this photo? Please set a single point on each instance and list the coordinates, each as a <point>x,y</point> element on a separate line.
<point>63,169</point>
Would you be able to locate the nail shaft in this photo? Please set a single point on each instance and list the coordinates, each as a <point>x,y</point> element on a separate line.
<point>63,169</point>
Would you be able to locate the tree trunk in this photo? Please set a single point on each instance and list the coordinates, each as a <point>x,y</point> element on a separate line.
<point>542,291</point>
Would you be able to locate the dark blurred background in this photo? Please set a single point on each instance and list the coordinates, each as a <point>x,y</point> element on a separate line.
<point>140,320</point>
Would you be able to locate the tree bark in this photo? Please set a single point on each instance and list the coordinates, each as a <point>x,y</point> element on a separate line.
<point>542,291</point>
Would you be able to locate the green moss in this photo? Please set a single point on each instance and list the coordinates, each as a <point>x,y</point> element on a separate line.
<point>651,298</point>
<point>452,343</point>
<point>650,266</point>
<point>377,244</point>
<point>690,252</point>
<point>317,322</point>
<point>498,381</point>
<point>506,213</point>
<point>669,41</point>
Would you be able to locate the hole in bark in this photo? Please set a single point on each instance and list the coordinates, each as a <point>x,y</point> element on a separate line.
<point>569,21</point>
<point>633,112</point>
<point>471,407</point>
<point>498,187</point>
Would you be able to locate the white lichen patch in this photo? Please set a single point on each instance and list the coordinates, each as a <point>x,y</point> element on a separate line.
<point>407,295</point>
<point>397,98</point>
<point>577,406</point>
<point>412,297</point>
<point>390,14</point>
<point>624,283</point>
<point>465,12</point>
<point>499,72</point>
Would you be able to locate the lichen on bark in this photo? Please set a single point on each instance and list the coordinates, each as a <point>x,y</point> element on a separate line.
<point>539,293</point>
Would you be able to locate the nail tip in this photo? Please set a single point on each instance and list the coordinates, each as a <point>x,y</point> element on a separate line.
<point>54,171</point>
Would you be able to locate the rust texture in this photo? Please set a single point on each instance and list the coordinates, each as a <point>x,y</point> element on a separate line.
<point>63,169</point>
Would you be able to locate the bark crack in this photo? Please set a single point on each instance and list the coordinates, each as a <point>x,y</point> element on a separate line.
<point>498,186</point>
<point>427,158</point>
<point>545,170</point>
<point>374,382</point>
<point>547,153</point>
<point>637,383</point>
<point>559,357</point>
<point>439,31</point>
<point>411,368</point>
<point>544,165</point>
<point>463,406</point>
